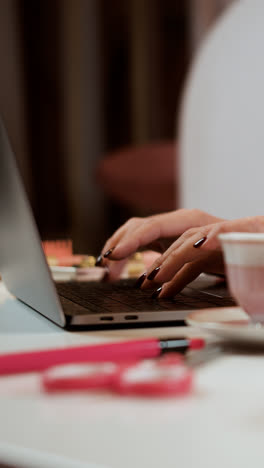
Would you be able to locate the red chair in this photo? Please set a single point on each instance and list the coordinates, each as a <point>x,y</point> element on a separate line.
<point>142,177</point>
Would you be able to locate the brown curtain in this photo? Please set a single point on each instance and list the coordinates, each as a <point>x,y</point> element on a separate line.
<point>203,14</point>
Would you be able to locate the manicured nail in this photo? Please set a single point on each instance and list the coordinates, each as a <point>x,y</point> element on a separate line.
<point>140,280</point>
<point>199,242</point>
<point>153,273</point>
<point>108,252</point>
<point>156,293</point>
<point>99,260</point>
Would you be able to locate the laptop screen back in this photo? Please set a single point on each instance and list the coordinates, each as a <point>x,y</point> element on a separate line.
<point>22,262</point>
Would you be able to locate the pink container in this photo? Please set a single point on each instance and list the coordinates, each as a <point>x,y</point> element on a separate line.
<point>244,259</point>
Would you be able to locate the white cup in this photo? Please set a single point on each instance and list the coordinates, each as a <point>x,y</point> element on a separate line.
<point>244,259</point>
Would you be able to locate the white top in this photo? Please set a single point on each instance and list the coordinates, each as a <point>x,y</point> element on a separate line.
<point>222,144</point>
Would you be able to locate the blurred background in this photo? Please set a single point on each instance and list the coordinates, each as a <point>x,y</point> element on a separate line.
<point>90,94</point>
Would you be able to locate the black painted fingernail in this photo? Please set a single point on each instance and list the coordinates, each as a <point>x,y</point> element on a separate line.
<point>199,242</point>
<point>156,293</point>
<point>153,273</point>
<point>140,280</point>
<point>99,260</point>
<point>108,252</point>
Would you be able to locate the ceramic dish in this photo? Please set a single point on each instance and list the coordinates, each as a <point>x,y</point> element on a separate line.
<point>63,273</point>
<point>230,323</point>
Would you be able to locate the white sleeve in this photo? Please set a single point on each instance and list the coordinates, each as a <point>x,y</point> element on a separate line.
<point>222,121</point>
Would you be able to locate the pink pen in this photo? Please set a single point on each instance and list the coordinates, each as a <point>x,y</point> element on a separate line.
<point>36,361</point>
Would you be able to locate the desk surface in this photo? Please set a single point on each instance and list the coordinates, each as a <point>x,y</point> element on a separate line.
<point>221,424</point>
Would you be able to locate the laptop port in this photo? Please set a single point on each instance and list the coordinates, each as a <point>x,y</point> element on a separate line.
<point>107,318</point>
<point>131,317</point>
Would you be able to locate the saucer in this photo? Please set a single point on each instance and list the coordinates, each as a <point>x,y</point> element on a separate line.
<point>230,323</point>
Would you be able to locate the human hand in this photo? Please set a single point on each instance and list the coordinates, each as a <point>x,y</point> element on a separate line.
<point>197,250</point>
<point>153,232</point>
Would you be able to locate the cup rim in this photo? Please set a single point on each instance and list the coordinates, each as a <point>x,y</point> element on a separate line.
<point>242,237</point>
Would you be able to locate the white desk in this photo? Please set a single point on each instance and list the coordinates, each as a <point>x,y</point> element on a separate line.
<point>220,425</point>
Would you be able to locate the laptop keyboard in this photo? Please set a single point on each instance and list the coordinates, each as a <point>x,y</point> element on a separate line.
<point>122,296</point>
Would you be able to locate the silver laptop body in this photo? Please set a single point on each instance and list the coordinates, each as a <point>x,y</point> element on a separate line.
<point>24,267</point>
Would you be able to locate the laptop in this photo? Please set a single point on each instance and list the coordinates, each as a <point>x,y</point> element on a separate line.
<point>77,305</point>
